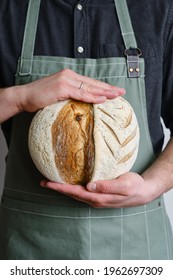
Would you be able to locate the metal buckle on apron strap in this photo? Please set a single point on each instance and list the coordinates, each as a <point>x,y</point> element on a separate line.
<point>133,67</point>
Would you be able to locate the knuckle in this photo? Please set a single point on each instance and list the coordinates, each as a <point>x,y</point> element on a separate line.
<point>99,204</point>
<point>96,83</point>
<point>61,84</point>
<point>65,72</point>
<point>110,87</point>
<point>128,188</point>
<point>127,183</point>
<point>104,188</point>
<point>82,92</point>
<point>89,87</point>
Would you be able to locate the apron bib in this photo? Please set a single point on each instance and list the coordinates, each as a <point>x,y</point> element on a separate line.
<point>42,224</point>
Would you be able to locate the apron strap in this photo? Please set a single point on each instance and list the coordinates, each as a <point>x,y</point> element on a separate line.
<point>125,24</point>
<point>132,59</point>
<point>29,37</point>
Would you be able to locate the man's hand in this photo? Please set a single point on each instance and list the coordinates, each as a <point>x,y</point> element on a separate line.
<point>62,85</point>
<point>130,189</point>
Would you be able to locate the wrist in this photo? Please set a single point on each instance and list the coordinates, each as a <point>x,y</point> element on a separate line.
<point>9,102</point>
<point>17,97</point>
<point>155,184</point>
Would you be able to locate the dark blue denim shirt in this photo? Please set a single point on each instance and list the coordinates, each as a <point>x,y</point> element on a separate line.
<point>66,25</point>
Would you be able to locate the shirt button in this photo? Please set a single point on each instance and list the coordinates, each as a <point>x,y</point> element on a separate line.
<point>79,7</point>
<point>80,49</point>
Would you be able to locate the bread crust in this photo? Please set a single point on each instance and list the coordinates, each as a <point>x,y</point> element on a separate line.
<point>74,142</point>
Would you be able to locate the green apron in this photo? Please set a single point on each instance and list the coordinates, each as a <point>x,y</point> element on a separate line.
<point>38,223</point>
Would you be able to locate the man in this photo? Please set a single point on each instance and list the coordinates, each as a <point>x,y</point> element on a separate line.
<point>124,221</point>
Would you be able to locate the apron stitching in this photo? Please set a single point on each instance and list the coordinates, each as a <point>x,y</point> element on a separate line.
<point>80,64</point>
<point>147,233</point>
<point>171,252</point>
<point>145,119</point>
<point>100,77</point>
<point>166,237</point>
<point>24,38</point>
<point>70,217</point>
<point>89,221</point>
<point>122,233</point>
<point>41,195</point>
<point>105,77</point>
<point>127,33</point>
<point>125,22</point>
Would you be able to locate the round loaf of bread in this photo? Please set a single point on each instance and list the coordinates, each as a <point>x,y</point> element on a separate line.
<point>75,142</point>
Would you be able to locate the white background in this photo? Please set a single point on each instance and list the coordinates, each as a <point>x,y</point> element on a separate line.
<point>3,150</point>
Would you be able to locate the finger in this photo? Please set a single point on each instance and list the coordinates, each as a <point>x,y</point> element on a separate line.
<point>80,193</point>
<point>102,187</point>
<point>108,93</point>
<point>97,87</point>
<point>96,83</point>
<point>93,96</point>
<point>115,186</point>
<point>90,97</point>
<point>77,94</point>
<point>77,192</point>
<point>75,80</point>
<point>85,88</point>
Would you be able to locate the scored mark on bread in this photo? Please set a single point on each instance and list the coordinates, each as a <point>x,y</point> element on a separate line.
<point>111,131</point>
<point>128,120</point>
<point>107,144</point>
<point>129,138</point>
<point>127,156</point>
<point>106,113</point>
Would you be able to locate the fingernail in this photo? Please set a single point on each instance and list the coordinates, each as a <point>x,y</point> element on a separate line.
<point>92,186</point>
<point>122,91</point>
